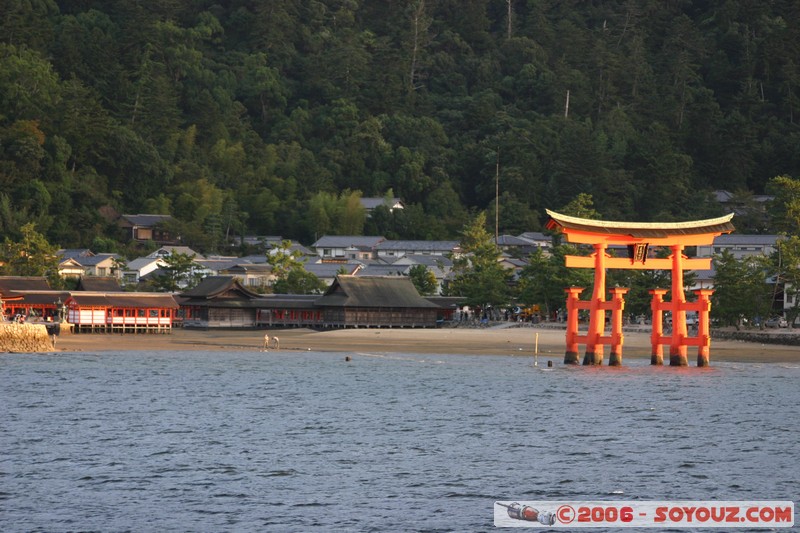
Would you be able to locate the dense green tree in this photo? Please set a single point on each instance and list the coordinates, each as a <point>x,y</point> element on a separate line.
<point>120,106</point>
<point>299,281</point>
<point>478,276</point>
<point>423,279</point>
<point>785,207</point>
<point>31,255</point>
<point>786,269</point>
<point>177,273</point>
<point>741,292</point>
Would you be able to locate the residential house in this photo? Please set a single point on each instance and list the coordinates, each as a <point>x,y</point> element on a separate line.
<point>100,264</point>
<point>438,264</point>
<point>343,248</point>
<point>741,245</point>
<point>518,246</point>
<point>250,275</point>
<point>390,250</point>
<point>327,272</point>
<point>369,204</point>
<point>166,251</point>
<point>70,268</point>
<point>145,227</point>
<point>538,239</point>
<point>139,268</point>
<point>214,266</point>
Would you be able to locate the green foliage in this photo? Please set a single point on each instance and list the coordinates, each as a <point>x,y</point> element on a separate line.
<point>785,265</point>
<point>785,206</point>
<point>423,279</point>
<point>31,255</point>
<point>741,291</point>
<point>270,118</point>
<point>299,281</point>
<point>478,276</point>
<point>179,273</point>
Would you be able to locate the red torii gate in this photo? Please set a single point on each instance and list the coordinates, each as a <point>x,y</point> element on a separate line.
<point>638,236</point>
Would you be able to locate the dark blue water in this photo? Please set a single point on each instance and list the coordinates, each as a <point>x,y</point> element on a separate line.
<point>215,441</point>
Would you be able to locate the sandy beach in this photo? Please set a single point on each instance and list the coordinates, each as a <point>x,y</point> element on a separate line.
<point>513,341</point>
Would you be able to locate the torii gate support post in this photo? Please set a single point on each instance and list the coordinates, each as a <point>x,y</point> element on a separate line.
<point>677,346</point>
<point>571,355</point>
<point>703,326</point>
<point>618,301</point>
<point>597,313</point>
<point>656,304</point>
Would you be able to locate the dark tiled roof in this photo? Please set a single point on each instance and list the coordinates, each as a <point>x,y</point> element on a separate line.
<point>345,241</point>
<point>23,283</point>
<point>214,286</point>
<point>39,297</point>
<point>98,283</point>
<point>124,299</point>
<point>392,291</point>
<point>145,220</point>
<point>94,259</point>
<point>418,246</point>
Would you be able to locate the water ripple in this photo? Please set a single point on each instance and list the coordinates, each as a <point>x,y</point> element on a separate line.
<point>230,441</point>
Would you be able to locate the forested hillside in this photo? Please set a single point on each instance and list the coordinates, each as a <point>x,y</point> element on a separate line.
<point>272,116</point>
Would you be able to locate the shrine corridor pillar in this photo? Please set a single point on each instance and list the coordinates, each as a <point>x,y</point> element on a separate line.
<point>597,315</point>
<point>677,347</point>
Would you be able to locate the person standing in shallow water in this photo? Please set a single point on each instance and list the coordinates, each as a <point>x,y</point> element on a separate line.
<point>266,342</point>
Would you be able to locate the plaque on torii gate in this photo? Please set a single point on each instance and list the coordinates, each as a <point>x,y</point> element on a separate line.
<point>638,237</point>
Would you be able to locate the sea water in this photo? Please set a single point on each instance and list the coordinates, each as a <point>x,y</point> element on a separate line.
<point>293,441</point>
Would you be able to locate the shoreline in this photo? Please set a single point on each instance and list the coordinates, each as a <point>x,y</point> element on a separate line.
<point>504,341</point>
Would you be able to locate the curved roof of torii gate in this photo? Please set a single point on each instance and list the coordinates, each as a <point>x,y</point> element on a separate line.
<point>587,231</point>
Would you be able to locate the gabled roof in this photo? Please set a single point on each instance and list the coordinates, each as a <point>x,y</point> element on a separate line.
<point>330,270</point>
<point>141,262</point>
<point>510,240</point>
<point>93,260</point>
<point>171,250</point>
<point>372,270</point>
<point>346,241</point>
<point>427,260</point>
<point>124,299</point>
<point>98,284</point>
<point>738,239</point>
<point>418,246</point>
<point>216,286</point>
<point>217,265</point>
<point>145,220</point>
<point>23,283</point>
<point>371,203</point>
<point>393,291</point>
<point>73,253</point>
<point>535,237</point>
<point>37,297</point>
<point>250,268</point>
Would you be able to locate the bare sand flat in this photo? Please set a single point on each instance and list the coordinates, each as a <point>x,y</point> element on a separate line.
<point>516,341</point>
